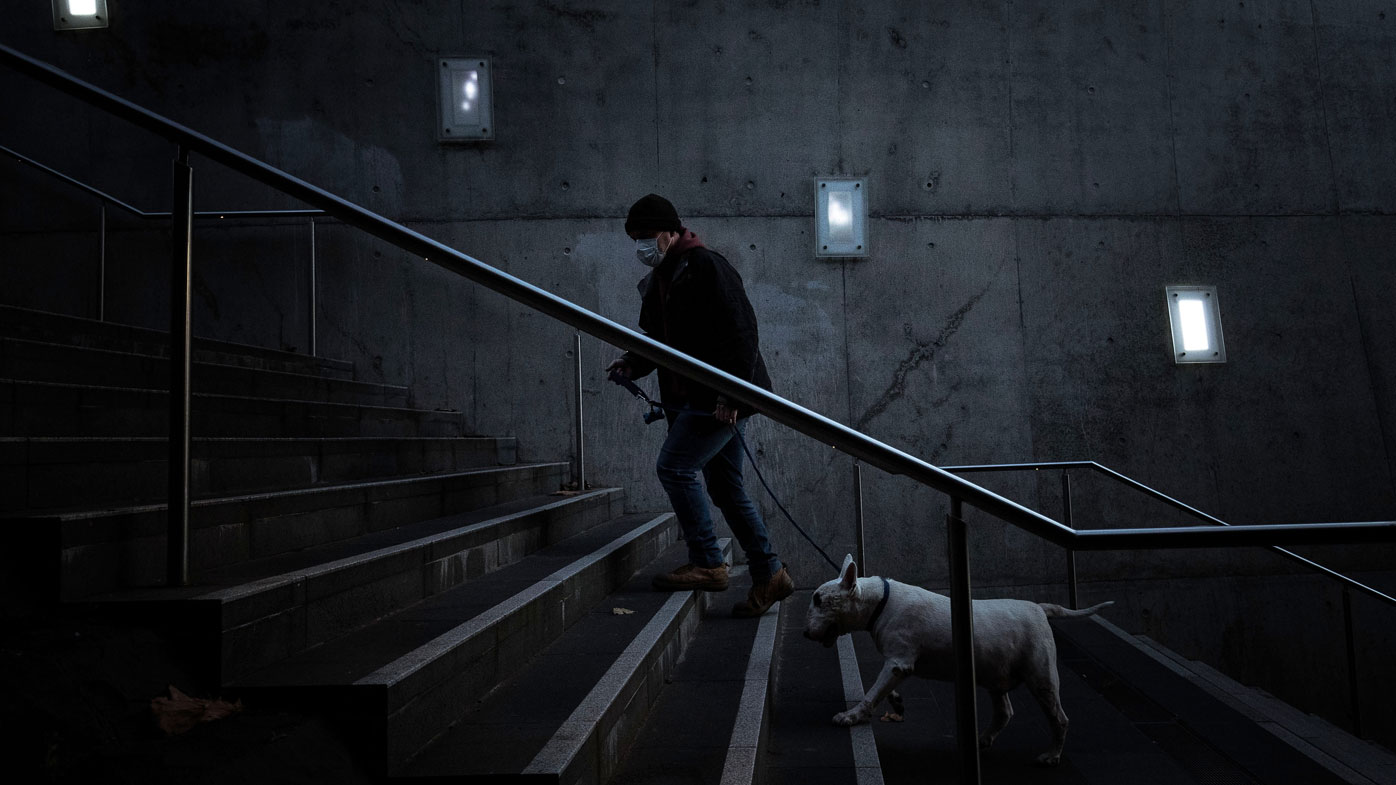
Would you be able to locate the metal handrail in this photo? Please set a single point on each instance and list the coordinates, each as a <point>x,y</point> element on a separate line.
<point>148,214</point>
<point>781,410</point>
<point>1169,500</point>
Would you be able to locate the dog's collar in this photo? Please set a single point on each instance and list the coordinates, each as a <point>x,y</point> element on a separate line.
<point>882,603</point>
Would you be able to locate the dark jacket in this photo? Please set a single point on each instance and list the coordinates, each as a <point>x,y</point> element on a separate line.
<point>694,301</point>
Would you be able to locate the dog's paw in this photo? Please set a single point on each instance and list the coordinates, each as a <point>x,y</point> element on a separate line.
<point>849,718</point>
<point>1049,759</point>
<point>986,741</point>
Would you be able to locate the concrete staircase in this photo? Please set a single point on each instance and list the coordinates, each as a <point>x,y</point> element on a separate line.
<point>460,616</point>
<point>464,621</point>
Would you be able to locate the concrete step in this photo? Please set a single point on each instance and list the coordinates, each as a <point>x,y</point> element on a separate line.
<point>710,724</point>
<point>267,610</point>
<point>47,473</point>
<point>56,409</point>
<point>87,552</point>
<point>572,712</point>
<point>804,745</point>
<point>77,331</point>
<point>402,681</point>
<point>54,362</point>
<point>1352,759</point>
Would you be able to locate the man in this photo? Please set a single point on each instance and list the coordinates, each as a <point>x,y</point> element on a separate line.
<point>694,301</point>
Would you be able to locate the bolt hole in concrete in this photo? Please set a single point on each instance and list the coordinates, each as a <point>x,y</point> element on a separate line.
<point>750,185</point>
<point>562,80</point>
<point>566,251</point>
<point>566,185</point>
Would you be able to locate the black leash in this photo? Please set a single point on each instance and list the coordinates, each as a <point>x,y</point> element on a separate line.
<point>657,411</point>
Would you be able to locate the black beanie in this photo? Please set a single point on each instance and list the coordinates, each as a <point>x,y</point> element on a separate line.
<point>652,213</point>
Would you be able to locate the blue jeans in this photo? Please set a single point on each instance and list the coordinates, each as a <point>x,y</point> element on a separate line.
<point>699,442</point>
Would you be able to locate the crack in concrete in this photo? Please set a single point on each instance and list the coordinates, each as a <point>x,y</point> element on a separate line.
<point>920,353</point>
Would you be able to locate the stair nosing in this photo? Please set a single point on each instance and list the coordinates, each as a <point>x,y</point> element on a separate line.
<point>273,372</point>
<point>404,667</point>
<point>573,735</point>
<point>220,396</point>
<point>251,588</point>
<point>210,344</point>
<point>82,515</point>
<point>867,764</point>
<point>246,439</point>
<point>744,746</point>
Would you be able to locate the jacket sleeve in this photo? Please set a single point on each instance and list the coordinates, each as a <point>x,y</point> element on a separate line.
<point>735,338</point>
<point>639,366</point>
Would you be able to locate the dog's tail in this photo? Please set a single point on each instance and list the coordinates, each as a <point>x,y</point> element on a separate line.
<point>1056,610</point>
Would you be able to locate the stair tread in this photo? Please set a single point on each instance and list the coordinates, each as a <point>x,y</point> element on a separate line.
<point>137,356</point>
<point>216,582</point>
<point>83,513</point>
<point>369,649</point>
<point>214,396</point>
<point>16,321</point>
<point>805,746</point>
<point>690,731</point>
<point>507,730</point>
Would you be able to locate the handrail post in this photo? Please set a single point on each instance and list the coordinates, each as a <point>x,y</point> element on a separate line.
<point>581,448</point>
<point>314,294</point>
<point>181,323</point>
<point>1072,599</point>
<point>1354,695</point>
<point>102,266</point>
<point>858,517</point>
<point>962,633</point>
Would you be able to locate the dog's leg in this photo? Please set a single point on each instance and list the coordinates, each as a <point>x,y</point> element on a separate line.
<point>1003,712</point>
<point>892,674</point>
<point>1048,697</point>
<point>895,701</point>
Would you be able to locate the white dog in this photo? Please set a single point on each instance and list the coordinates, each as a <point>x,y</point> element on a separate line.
<point>1012,645</point>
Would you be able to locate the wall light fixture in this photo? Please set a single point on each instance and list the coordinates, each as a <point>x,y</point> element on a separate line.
<point>466,100</point>
<point>79,14</point>
<point>841,217</point>
<point>1194,313</point>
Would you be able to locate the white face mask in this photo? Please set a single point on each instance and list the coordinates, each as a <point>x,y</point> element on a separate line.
<point>647,251</point>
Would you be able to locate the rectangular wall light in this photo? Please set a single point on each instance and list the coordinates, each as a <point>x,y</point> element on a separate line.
<point>79,14</point>
<point>1194,313</point>
<point>466,98</point>
<point>841,217</point>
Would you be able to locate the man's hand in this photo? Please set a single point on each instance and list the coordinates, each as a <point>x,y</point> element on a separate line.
<point>619,367</point>
<point>725,414</point>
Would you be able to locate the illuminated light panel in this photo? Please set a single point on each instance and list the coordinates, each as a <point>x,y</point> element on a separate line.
<point>1194,315</point>
<point>466,113</point>
<point>79,14</point>
<point>841,218</point>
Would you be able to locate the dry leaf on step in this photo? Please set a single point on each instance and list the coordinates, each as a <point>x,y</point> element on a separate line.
<point>621,612</point>
<point>179,712</point>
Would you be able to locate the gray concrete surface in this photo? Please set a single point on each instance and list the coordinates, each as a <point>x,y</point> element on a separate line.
<point>1038,172</point>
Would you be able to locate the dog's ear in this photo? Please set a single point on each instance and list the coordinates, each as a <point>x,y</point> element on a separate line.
<point>848,574</point>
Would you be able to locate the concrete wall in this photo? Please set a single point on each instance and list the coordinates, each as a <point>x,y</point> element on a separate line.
<point>1038,172</point>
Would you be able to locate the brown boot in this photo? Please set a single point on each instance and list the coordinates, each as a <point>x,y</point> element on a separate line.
<point>691,576</point>
<point>763,595</point>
